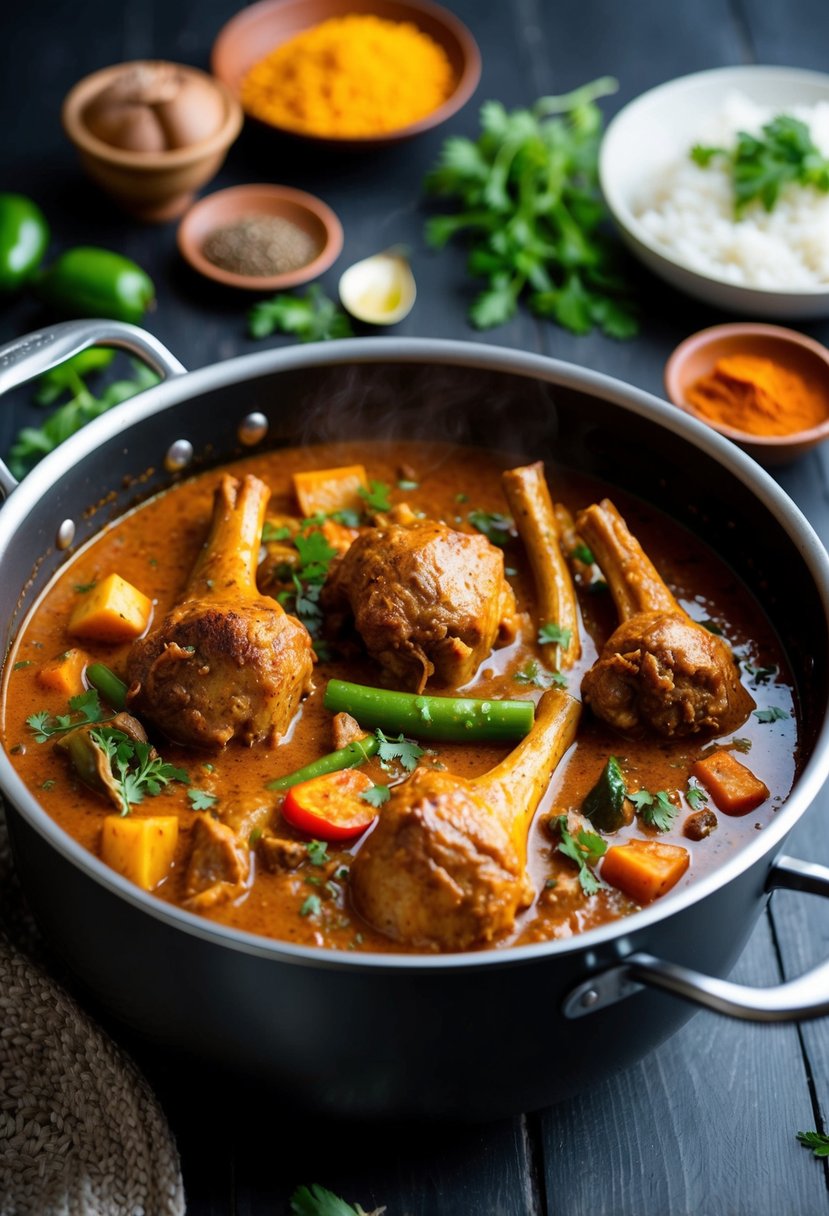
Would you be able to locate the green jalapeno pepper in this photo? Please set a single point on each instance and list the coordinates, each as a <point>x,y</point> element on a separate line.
<point>24,235</point>
<point>90,282</point>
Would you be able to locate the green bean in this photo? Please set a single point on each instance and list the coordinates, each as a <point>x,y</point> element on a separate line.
<point>354,754</point>
<point>113,690</point>
<point>449,719</point>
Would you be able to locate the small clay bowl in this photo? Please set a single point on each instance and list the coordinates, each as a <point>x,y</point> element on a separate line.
<point>309,213</point>
<point>153,186</point>
<point>698,354</point>
<point>257,30</point>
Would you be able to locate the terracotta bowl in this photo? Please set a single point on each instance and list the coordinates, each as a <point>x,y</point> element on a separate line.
<point>697,355</point>
<point>154,186</point>
<point>259,29</point>
<point>310,214</point>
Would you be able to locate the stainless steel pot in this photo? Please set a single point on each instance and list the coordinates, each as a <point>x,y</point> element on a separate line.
<point>466,1035</point>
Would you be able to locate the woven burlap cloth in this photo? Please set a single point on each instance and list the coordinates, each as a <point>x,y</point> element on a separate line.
<point>81,1133</point>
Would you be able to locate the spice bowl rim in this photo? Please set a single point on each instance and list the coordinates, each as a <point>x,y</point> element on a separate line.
<point>195,225</point>
<point>86,88</point>
<point>224,60</point>
<point>768,449</point>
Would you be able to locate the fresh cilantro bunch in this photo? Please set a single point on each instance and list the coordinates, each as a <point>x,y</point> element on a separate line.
<point>761,166</point>
<point>83,709</point>
<point>311,318</point>
<point>530,204</point>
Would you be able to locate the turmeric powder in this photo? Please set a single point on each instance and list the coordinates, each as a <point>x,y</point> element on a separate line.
<point>759,396</point>
<point>351,77</point>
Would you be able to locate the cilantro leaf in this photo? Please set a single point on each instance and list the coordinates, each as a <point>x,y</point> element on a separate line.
<point>496,528</point>
<point>377,795</point>
<point>311,906</point>
<point>202,800</point>
<point>311,318</point>
<point>552,634</point>
<point>376,497</point>
<point>761,167</point>
<point>85,708</point>
<point>818,1142</point>
<point>656,810</point>
<point>533,673</point>
<point>317,852</point>
<point>760,675</point>
<point>585,849</point>
<point>404,751</point>
<point>696,797</point>
<point>136,767</point>
<point>773,714</point>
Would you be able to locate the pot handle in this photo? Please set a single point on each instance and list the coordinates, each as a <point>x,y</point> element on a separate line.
<point>30,356</point>
<point>798,999</point>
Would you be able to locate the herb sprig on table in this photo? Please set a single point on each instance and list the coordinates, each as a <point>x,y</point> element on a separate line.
<point>761,166</point>
<point>33,443</point>
<point>312,317</point>
<point>529,201</point>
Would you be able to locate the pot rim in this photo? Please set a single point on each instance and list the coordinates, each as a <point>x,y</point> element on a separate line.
<point>240,369</point>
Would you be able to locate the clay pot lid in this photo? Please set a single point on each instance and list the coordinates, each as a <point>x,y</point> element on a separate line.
<point>214,211</point>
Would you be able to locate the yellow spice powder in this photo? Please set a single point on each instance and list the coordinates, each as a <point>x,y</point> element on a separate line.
<point>350,77</point>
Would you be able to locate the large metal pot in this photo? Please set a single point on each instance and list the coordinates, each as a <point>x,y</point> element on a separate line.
<point>465,1035</point>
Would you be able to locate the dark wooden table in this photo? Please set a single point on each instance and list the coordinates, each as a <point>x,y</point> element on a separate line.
<point>706,1123</point>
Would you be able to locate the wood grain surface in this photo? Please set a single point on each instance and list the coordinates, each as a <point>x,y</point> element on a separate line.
<point>705,1125</point>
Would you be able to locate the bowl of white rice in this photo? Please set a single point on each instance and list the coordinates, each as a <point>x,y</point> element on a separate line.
<point>679,217</point>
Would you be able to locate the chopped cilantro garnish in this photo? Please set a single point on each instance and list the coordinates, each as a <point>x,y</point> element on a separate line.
<point>376,497</point>
<point>136,768</point>
<point>585,849</point>
<point>202,800</point>
<point>85,708</point>
<point>553,635</point>
<point>496,528</point>
<point>311,906</point>
<point>404,751</point>
<point>773,714</point>
<point>533,673</point>
<point>377,795</point>
<point>656,810</point>
<point>317,852</point>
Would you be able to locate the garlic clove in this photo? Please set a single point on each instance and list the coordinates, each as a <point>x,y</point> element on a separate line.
<point>380,289</point>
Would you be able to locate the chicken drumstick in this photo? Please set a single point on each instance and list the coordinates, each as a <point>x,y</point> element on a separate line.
<point>659,670</point>
<point>226,662</point>
<point>445,868</point>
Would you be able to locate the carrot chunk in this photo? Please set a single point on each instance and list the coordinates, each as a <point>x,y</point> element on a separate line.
<point>65,673</point>
<point>140,847</point>
<point>644,869</point>
<point>323,491</point>
<point>112,611</point>
<point>734,788</point>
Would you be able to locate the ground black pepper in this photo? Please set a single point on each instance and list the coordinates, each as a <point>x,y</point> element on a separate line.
<point>260,245</point>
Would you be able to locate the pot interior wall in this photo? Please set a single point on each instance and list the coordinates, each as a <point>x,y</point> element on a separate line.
<point>501,410</point>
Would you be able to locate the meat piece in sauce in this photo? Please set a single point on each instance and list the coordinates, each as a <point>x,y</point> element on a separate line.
<point>445,867</point>
<point>659,670</point>
<point>227,662</point>
<point>426,599</point>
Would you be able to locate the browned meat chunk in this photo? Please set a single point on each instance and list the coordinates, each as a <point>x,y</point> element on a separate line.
<point>659,670</point>
<point>219,865</point>
<point>227,662</point>
<point>426,600</point>
<point>700,824</point>
<point>279,855</point>
<point>445,867</point>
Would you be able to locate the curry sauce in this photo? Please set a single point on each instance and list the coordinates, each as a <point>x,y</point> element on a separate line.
<point>307,901</point>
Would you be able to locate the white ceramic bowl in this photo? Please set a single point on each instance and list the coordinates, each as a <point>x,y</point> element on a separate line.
<point>654,129</point>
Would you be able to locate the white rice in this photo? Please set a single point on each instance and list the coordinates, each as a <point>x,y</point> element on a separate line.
<point>689,210</point>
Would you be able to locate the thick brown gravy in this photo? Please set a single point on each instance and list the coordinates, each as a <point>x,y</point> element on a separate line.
<point>154,548</point>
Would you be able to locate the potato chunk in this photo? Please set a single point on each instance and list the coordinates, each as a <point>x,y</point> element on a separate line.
<point>323,491</point>
<point>140,847</point>
<point>65,673</point>
<point>113,611</point>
